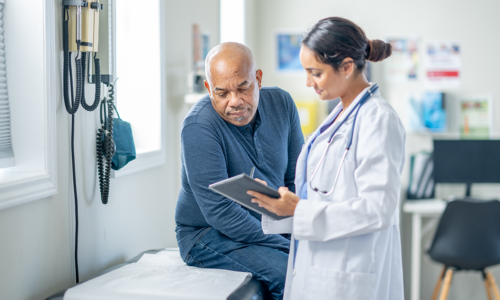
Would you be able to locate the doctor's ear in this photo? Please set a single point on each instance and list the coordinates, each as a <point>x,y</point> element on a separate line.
<point>347,67</point>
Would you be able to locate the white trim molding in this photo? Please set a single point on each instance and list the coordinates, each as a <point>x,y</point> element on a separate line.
<point>143,162</point>
<point>52,92</point>
<point>155,158</point>
<point>21,187</point>
<point>25,188</point>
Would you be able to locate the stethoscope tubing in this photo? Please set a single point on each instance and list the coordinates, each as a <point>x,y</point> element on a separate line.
<point>363,100</point>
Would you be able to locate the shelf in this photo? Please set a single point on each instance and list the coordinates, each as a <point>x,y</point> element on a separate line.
<point>435,135</point>
<point>427,206</point>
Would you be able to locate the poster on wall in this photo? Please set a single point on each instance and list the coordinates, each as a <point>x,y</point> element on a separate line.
<point>402,65</point>
<point>288,50</point>
<point>443,64</point>
<point>476,117</point>
<point>426,112</point>
<point>308,115</point>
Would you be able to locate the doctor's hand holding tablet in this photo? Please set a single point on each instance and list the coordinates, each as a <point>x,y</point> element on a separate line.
<point>284,206</point>
<point>345,225</point>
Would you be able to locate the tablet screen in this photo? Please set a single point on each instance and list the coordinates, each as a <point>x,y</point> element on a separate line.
<point>235,188</point>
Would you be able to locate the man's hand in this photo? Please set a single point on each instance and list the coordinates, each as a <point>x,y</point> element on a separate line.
<point>283,206</point>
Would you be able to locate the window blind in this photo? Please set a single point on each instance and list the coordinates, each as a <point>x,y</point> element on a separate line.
<point>6,151</point>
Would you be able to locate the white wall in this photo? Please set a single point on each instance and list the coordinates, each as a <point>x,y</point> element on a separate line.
<point>36,252</point>
<point>36,239</point>
<point>474,24</point>
<point>249,23</point>
<point>179,18</point>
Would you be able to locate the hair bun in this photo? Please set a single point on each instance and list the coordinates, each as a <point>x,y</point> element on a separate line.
<point>377,50</point>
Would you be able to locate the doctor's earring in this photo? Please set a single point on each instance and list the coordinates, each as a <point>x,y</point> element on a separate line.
<point>347,77</point>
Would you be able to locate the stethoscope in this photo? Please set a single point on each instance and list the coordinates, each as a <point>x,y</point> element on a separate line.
<point>365,97</point>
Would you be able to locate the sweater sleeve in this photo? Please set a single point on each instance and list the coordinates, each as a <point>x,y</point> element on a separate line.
<point>205,163</point>
<point>295,142</point>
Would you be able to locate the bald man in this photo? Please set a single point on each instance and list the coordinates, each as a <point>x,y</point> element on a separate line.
<point>237,126</point>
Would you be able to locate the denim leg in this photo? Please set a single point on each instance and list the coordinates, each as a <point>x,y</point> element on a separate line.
<point>216,251</point>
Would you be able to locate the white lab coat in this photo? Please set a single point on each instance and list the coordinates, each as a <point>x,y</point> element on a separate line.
<point>349,242</point>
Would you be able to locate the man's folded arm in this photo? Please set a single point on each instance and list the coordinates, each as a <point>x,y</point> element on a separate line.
<point>205,164</point>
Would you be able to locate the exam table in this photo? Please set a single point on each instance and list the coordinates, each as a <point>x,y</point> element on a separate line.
<point>250,289</point>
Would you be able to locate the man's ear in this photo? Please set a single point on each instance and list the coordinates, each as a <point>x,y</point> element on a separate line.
<point>258,76</point>
<point>207,86</point>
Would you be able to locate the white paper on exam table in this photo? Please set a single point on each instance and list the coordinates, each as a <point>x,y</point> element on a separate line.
<point>159,276</point>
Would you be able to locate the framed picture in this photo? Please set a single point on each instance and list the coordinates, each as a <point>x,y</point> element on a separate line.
<point>426,112</point>
<point>402,66</point>
<point>476,116</point>
<point>442,64</point>
<point>288,50</point>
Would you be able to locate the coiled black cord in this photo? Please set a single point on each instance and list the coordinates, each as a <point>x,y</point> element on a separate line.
<point>105,146</point>
<point>75,193</point>
<point>100,157</point>
<point>97,97</point>
<point>71,108</point>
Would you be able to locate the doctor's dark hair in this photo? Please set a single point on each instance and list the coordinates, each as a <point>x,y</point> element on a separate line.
<point>333,39</point>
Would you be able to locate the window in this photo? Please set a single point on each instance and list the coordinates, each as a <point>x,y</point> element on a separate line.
<point>6,151</point>
<point>232,21</point>
<point>34,95</point>
<point>139,87</point>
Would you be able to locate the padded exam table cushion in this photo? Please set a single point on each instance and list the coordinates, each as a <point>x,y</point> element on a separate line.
<point>250,289</point>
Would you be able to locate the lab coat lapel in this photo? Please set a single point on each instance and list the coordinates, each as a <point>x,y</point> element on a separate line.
<point>300,170</point>
<point>347,112</point>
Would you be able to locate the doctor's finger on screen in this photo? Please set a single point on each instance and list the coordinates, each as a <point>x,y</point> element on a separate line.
<point>283,206</point>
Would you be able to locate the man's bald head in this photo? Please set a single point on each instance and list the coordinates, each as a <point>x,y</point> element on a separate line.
<point>232,55</point>
<point>233,82</point>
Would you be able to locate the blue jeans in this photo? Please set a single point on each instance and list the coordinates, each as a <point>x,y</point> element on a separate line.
<point>216,251</point>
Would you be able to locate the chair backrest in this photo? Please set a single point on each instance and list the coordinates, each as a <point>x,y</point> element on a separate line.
<point>468,235</point>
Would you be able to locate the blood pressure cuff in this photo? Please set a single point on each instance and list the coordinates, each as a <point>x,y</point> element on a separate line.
<point>124,142</point>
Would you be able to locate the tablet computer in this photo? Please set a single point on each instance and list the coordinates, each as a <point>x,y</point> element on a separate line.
<point>235,188</point>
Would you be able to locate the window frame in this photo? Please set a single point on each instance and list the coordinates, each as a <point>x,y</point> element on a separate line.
<point>17,188</point>
<point>20,188</point>
<point>156,158</point>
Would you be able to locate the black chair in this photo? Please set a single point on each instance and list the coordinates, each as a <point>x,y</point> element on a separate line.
<point>467,238</point>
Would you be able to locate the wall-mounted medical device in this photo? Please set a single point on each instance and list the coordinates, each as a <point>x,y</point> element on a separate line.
<point>105,53</point>
<point>81,35</point>
<point>84,28</point>
<point>87,28</point>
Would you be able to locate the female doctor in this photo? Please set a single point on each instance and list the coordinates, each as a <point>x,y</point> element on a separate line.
<point>345,234</point>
